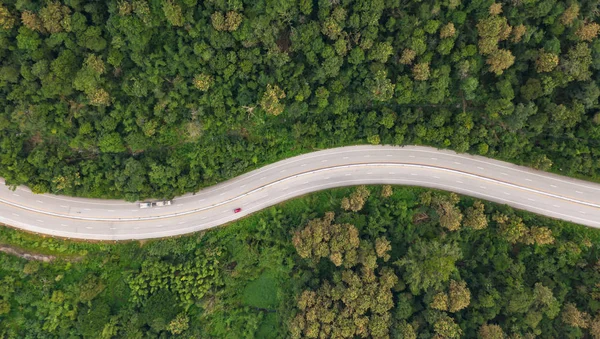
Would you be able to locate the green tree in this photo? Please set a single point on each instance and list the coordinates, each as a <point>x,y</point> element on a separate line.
<point>569,15</point>
<point>491,30</point>
<point>428,264</point>
<point>491,331</point>
<point>111,143</point>
<point>179,324</point>
<point>577,62</point>
<point>4,306</point>
<point>574,317</point>
<point>28,39</point>
<point>55,17</point>
<point>406,331</point>
<point>386,191</point>
<point>380,86</point>
<point>500,60</point>
<point>407,57</point>
<point>588,32</point>
<point>357,199</point>
<point>445,327</point>
<point>421,71</point>
<point>203,82</point>
<point>321,238</point>
<point>270,100</point>
<point>475,217</point>
<point>381,51</point>
<point>546,62</point>
<point>7,21</point>
<point>448,31</point>
<point>91,321</point>
<point>172,12</point>
<point>450,216</point>
<point>459,296</point>
<point>354,305</point>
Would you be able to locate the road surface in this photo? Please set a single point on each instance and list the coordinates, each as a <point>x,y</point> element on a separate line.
<point>523,188</point>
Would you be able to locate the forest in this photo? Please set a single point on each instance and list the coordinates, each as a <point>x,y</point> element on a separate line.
<point>379,262</point>
<point>139,98</point>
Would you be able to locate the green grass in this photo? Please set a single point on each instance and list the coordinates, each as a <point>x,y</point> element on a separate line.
<point>262,292</point>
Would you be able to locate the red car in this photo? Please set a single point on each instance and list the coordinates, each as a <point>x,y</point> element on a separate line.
<point>237,210</point>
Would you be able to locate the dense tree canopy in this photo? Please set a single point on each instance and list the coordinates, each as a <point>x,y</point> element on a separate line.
<point>310,268</point>
<point>135,98</point>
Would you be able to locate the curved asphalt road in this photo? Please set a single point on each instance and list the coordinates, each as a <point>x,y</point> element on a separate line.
<point>548,194</point>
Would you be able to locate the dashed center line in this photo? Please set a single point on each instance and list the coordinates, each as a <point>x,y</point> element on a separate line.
<point>480,168</point>
<point>337,174</point>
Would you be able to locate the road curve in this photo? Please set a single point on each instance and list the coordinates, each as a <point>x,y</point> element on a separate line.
<point>523,188</point>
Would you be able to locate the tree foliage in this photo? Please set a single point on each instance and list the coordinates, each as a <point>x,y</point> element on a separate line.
<point>95,86</point>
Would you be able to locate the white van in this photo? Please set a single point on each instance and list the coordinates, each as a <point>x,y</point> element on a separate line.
<point>157,203</point>
<point>145,204</point>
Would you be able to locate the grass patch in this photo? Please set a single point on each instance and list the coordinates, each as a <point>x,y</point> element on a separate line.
<point>262,292</point>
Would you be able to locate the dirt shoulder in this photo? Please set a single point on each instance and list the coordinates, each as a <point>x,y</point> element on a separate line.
<point>27,255</point>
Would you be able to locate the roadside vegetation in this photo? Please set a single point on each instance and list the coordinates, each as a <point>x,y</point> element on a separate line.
<point>377,261</point>
<point>137,98</point>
